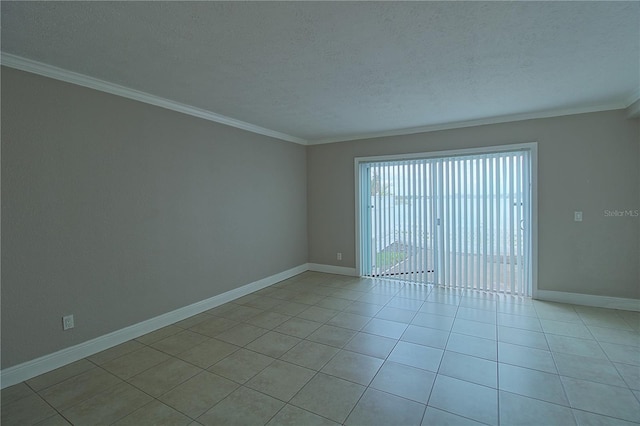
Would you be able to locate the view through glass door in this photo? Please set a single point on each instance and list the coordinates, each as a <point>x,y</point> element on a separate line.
<point>460,221</point>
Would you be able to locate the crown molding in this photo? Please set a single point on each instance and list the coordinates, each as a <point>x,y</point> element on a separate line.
<point>472,123</point>
<point>35,67</point>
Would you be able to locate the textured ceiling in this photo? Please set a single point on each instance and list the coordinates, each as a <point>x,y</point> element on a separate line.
<point>339,70</point>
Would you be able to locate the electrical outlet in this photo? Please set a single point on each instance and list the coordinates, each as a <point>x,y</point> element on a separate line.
<point>577,216</point>
<point>339,256</point>
<point>67,322</point>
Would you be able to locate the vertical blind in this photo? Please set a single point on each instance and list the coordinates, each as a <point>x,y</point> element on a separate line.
<point>461,221</point>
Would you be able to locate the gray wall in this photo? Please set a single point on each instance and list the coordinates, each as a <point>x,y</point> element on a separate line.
<point>587,162</point>
<point>117,211</point>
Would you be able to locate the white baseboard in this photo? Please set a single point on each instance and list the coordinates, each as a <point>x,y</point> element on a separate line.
<point>589,300</point>
<point>330,269</point>
<point>25,371</point>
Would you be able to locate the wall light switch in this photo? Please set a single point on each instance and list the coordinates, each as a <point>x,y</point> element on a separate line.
<point>577,216</point>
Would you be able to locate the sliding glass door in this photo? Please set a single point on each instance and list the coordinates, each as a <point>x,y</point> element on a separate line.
<point>458,220</point>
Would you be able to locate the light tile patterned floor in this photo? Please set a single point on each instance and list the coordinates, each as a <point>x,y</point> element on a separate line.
<point>322,349</point>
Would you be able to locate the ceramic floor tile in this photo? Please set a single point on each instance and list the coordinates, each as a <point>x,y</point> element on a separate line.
<point>241,334</point>
<point>418,356</point>
<point>243,407</point>
<point>329,397</point>
<point>610,335</point>
<point>208,353</point>
<point>596,370</point>
<point>481,304</point>
<point>365,309</point>
<point>425,336</point>
<point>404,381</point>
<point>294,416</point>
<point>298,327</point>
<point>281,380</point>
<point>323,290</point>
<point>353,366</point>
<point>465,399</point>
<point>159,334</point>
<point>163,377</point>
<point>349,321</point>
<point>517,336</point>
<point>385,328</point>
<point>562,328</point>
<point>575,346</point>
<point>622,353</point>
<point>135,362</point>
<point>334,303</point>
<point>521,410</point>
<point>556,311</point>
<point>358,295</point>
<point>193,320</point>
<point>56,420</point>
<point>14,393</point>
<point>380,408</point>
<point>273,344</point>
<point>584,418</point>
<point>115,352</point>
<point>199,393</point>
<point>439,309</point>
<point>241,313</point>
<point>524,356</point>
<point>290,308</point>
<point>602,318</point>
<point>268,320</point>
<point>396,314</point>
<point>519,321</point>
<point>532,383</point>
<point>476,329</point>
<point>79,388</point>
<point>332,336</point>
<point>439,322</point>
<point>405,303</point>
<point>219,310</point>
<point>473,314</point>
<point>630,374</point>
<point>448,351</point>
<point>307,298</point>
<point>472,369</point>
<point>59,375</point>
<point>447,299</point>
<point>108,406</point>
<point>434,416</point>
<point>266,303</point>
<point>310,354</point>
<point>417,292</point>
<point>602,399</point>
<point>179,342</point>
<point>314,313</point>
<point>517,309</point>
<point>370,344</point>
<point>631,318</point>
<point>213,326</point>
<point>28,410</point>
<point>241,365</point>
<point>474,346</point>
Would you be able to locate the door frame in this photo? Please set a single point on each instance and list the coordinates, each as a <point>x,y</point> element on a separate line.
<point>532,147</point>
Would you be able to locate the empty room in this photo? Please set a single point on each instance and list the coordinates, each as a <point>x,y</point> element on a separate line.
<point>320,213</point>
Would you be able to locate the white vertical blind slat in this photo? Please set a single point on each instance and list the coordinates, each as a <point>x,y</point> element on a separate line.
<point>461,221</point>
